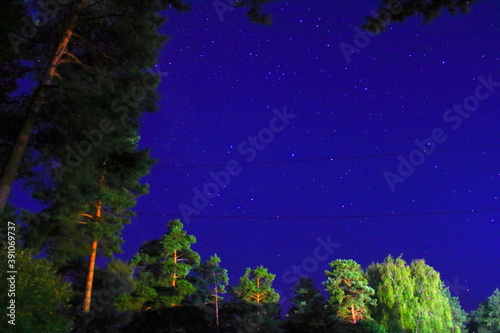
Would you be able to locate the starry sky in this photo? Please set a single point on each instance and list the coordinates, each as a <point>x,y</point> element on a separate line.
<point>313,136</point>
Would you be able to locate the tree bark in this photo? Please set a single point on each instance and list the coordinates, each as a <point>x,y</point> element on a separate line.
<point>9,171</point>
<point>90,274</point>
<point>216,308</point>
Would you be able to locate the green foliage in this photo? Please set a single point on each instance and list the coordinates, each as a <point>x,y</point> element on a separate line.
<point>210,280</point>
<point>88,149</point>
<point>486,318</point>
<point>410,297</point>
<point>399,11</point>
<point>307,313</point>
<point>162,269</point>
<point>434,312</point>
<point>369,326</point>
<point>459,316</point>
<point>348,290</point>
<point>394,291</point>
<point>256,286</point>
<point>258,307</point>
<point>41,297</point>
<point>109,284</point>
<point>241,316</point>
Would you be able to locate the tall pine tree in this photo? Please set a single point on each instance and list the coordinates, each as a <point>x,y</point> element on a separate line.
<point>162,268</point>
<point>348,290</point>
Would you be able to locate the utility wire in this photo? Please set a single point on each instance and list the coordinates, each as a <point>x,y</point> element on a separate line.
<point>324,217</point>
<point>321,159</point>
<point>314,217</point>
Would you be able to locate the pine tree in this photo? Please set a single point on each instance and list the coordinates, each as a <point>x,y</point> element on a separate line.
<point>210,282</point>
<point>98,64</point>
<point>459,316</point>
<point>486,318</point>
<point>162,269</point>
<point>256,286</point>
<point>260,300</point>
<point>307,313</point>
<point>348,290</point>
<point>399,11</point>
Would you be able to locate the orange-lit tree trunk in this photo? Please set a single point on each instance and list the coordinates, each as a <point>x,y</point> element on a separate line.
<point>175,275</point>
<point>16,153</point>
<point>90,274</point>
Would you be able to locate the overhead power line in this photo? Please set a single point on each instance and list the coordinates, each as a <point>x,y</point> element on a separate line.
<point>312,217</point>
<point>320,159</point>
<point>325,217</point>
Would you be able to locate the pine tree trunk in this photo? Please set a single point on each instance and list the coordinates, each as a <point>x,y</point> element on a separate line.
<point>216,309</point>
<point>9,171</point>
<point>90,274</point>
<point>90,278</point>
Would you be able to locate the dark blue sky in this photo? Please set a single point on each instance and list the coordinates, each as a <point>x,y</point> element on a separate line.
<point>226,76</point>
<point>320,178</point>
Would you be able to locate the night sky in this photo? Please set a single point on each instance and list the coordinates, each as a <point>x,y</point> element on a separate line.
<point>321,177</point>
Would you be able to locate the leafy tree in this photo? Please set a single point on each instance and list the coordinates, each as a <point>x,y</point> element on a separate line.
<point>394,292</point>
<point>486,319</point>
<point>410,297</point>
<point>162,269</point>
<point>348,289</point>
<point>434,312</point>
<point>307,313</point>
<point>41,297</point>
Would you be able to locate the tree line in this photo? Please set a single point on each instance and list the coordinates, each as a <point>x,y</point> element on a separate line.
<point>166,287</point>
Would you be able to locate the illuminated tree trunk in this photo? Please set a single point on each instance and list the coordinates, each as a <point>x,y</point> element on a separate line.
<point>175,275</point>
<point>16,153</point>
<point>90,274</point>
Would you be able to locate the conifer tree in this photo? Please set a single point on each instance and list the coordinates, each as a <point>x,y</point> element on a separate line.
<point>256,286</point>
<point>307,313</point>
<point>162,268</point>
<point>486,319</point>
<point>260,308</point>
<point>210,281</point>
<point>399,11</point>
<point>101,52</point>
<point>459,316</point>
<point>348,289</point>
